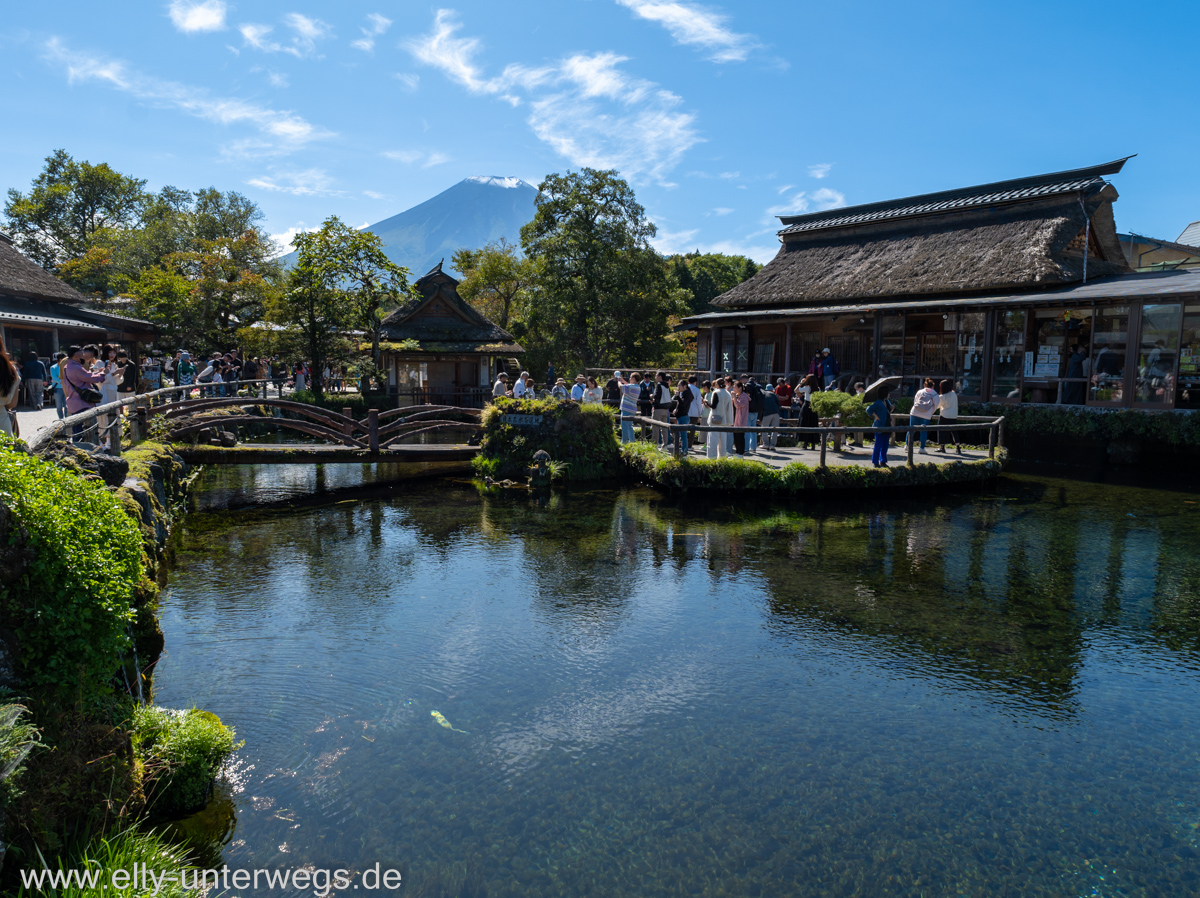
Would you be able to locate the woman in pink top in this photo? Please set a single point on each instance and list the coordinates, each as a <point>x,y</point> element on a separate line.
<point>741,416</point>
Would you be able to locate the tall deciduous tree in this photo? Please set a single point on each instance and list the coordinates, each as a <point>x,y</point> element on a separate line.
<point>68,203</point>
<point>356,261</point>
<point>496,278</point>
<point>708,275</point>
<point>605,294</point>
<point>315,300</point>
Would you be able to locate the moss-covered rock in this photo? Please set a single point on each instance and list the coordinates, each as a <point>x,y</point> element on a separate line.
<point>580,439</point>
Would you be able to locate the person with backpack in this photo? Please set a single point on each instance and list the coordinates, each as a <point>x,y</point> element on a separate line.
<point>925,402</point>
<point>661,409</point>
<point>755,391</point>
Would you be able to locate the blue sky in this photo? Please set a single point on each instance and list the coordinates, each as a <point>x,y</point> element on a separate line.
<point>721,115</point>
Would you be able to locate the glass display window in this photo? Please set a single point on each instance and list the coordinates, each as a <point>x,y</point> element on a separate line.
<point>969,353</point>
<point>1008,355</point>
<point>1110,346</point>
<point>1187,390</point>
<point>1158,353</point>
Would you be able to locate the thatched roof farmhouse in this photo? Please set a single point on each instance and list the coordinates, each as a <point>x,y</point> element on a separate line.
<point>1016,290</point>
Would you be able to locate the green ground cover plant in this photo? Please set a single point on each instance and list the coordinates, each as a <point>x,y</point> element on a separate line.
<point>71,609</point>
<point>740,474</point>
<point>183,752</point>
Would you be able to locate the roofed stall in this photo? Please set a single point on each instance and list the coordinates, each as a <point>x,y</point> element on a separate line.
<point>1017,291</point>
<point>438,348</point>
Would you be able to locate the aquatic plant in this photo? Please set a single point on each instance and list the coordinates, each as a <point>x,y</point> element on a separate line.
<point>183,752</point>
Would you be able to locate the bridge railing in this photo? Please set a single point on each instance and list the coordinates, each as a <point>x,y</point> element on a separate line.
<point>105,425</point>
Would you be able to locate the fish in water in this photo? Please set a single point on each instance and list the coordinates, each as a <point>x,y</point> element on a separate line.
<point>440,718</point>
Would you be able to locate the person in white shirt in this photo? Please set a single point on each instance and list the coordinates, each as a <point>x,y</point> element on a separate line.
<point>948,414</point>
<point>721,404</point>
<point>925,402</point>
<point>520,388</point>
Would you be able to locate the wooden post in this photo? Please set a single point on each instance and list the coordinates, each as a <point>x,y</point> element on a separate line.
<point>373,430</point>
<point>1000,434</point>
<point>347,428</point>
<point>135,425</point>
<point>911,441</point>
<point>822,448</point>
<point>992,440</point>
<point>675,436</point>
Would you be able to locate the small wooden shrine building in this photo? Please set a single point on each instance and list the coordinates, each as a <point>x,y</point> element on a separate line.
<point>437,348</point>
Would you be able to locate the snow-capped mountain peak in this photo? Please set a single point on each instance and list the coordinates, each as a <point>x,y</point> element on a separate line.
<point>497,181</point>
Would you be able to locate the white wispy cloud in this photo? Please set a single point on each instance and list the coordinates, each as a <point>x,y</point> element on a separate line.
<point>671,242</point>
<point>408,80</point>
<point>310,182</point>
<point>697,26</point>
<point>284,240</point>
<point>785,188</point>
<point>282,131</point>
<point>722,210</point>
<point>375,195</point>
<point>820,170</point>
<point>278,79</point>
<point>427,158</point>
<point>817,201</point>
<point>306,32</point>
<point>191,17</point>
<point>378,25</point>
<point>585,106</point>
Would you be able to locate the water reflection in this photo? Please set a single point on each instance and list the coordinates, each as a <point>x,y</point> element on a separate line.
<point>974,693</point>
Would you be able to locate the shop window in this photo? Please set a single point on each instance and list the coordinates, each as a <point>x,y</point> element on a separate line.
<point>1061,338</point>
<point>764,358</point>
<point>970,354</point>
<point>1008,355</point>
<point>1188,389</point>
<point>702,342</point>
<point>1158,353</point>
<point>891,345</point>
<point>1110,343</point>
<point>742,362</point>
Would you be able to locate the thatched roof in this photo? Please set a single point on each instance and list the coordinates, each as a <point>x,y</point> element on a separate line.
<point>440,319</point>
<point>22,278</point>
<point>1011,235</point>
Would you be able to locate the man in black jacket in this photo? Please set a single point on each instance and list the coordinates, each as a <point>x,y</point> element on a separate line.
<point>662,409</point>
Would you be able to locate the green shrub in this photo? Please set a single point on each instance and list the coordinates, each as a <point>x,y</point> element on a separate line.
<point>71,610</point>
<point>127,850</point>
<point>828,403</point>
<point>581,438</point>
<point>1180,430</point>
<point>183,753</point>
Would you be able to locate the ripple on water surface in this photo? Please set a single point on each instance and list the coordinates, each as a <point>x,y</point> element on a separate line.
<point>982,694</point>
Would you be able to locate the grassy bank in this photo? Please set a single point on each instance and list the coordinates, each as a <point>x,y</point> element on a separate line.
<point>79,603</point>
<point>739,474</point>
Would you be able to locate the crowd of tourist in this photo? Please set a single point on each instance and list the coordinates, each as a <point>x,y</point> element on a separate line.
<point>738,401</point>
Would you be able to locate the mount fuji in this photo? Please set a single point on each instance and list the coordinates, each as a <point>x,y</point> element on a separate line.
<point>474,212</point>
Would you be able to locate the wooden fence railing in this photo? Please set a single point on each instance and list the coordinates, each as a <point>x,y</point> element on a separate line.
<point>834,432</point>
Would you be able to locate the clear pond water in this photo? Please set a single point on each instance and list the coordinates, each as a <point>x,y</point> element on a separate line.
<point>973,694</point>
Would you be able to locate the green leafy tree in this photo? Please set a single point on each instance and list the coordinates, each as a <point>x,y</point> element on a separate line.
<point>69,202</point>
<point>372,282</point>
<point>707,275</point>
<point>496,279</point>
<point>314,300</point>
<point>605,296</point>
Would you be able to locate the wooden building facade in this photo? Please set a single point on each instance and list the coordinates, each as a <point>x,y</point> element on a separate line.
<point>1017,291</point>
<point>39,313</point>
<point>437,348</point>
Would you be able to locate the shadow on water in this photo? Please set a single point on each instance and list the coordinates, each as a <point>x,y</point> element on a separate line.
<point>978,693</point>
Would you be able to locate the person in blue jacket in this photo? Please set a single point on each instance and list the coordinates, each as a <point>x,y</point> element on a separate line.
<point>830,369</point>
